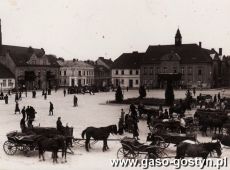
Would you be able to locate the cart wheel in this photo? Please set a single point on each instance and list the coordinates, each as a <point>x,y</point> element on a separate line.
<point>9,147</point>
<point>160,141</point>
<point>125,154</point>
<point>161,154</point>
<point>151,156</point>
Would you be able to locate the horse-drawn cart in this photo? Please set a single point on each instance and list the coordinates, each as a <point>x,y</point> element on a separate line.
<point>27,141</point>
<point>132,149</point>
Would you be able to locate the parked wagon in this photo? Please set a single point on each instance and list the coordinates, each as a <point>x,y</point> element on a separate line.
<point>17,141</point>
<point>132,149</point>
<point>167,138</point>
<point>162,125</point>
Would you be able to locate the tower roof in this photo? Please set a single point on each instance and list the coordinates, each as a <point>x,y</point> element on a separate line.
<point>178,34</point>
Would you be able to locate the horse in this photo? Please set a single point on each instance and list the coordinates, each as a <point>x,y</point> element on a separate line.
<point>197,150</point>
<point>224,139</point>
<point>52,144</point>
<point>101,133</point>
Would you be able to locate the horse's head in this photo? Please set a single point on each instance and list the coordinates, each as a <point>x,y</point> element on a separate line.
<point>113,129</point>
<point>217,148</point>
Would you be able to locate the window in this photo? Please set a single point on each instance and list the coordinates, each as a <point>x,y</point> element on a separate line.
<point>10,83</point>
<point>65,81</point>
<point>190,70</point>
<point>182,70</point>
<point>84,73</point>
<point>122,81</point>
<point>151,71</point>
<point>165,70</point>
<point>33,61</point>
<point>174,70</point>
<point>79,73</point>
<point>64,72</point>
<point>137,82</point>
<point>130,72</point>
<point>145,70</point>
<point>158,70</point>
<point>122,72</point>
<point>116,72</point>
<point>44,62</point>
<point>137,72</point>
<point>199,72</point>
<point>60,73</point>
<point>4,83</point>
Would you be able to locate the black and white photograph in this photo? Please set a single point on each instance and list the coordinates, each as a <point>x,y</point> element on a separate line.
<point>114,84</point>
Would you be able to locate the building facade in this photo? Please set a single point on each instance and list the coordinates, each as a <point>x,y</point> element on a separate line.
<point>75,73</point>
<point>191,60</point>
<point>126,70</point>
<point>7,80</point>
<point>102,70</point>
<point>32,68</point>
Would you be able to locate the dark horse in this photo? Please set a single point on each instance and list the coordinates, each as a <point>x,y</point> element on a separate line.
<point>197,150</point>
<point>52,144</point>
<point>224,139</point>
<point>101,133</point>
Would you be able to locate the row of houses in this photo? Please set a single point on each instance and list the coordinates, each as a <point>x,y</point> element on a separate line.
<point>197,66</point>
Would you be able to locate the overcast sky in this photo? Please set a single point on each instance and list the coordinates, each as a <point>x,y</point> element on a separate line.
<point>87,29</point>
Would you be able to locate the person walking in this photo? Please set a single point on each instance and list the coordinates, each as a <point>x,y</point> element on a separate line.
<point>75,100</point>
<point>23,125</point>
<point>45,95</point>
<point>64,92</point>
<point>194,91</point>
<point>17,108</point>
<point>51,109</point>
<point>23,111</point>
<point>6,99</point>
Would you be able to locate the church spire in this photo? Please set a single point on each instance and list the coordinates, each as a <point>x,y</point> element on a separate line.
<point>178,38</point>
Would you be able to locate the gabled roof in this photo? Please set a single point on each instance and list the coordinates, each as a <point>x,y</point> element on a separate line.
<point>5,72</point>
<point>189,53</point>
<point>128,61</point>
<point>20,55</point>
<point>108,62</point>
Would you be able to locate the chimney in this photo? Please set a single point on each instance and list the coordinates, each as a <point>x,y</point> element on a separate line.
<point>200,44</point>
<point>220,51</point>
<point>74,60</point>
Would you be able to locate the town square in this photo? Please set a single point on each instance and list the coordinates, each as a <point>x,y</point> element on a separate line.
<point>114,84</point>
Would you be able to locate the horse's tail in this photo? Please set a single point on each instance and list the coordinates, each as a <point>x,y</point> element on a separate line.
<point>83,133</point>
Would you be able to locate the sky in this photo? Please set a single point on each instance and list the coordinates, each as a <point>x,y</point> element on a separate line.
<point>88,29</point>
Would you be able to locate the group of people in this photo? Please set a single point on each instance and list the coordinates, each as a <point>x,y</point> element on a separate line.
<point>127,121</point>
<point>2,97</point>
<point>28,114</point>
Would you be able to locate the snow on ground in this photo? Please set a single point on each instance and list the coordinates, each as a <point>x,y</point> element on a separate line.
<point>92,111</point>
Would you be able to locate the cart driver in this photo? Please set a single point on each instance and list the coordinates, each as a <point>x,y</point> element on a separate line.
<point>60,128</point>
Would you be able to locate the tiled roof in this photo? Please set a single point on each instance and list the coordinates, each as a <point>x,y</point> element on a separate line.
<point>189,53</point>
<point>21,55</point>
<point>128,61</point>
<point>5,72</point>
